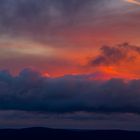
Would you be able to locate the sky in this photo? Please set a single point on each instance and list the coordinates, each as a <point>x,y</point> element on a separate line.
<point>70,64</point>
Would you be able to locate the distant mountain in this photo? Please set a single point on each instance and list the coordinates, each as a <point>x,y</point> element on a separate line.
<point>60,134</point>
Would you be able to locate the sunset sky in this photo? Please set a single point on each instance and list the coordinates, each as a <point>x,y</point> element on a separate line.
<point>72,62</point>
<point>61,37</point>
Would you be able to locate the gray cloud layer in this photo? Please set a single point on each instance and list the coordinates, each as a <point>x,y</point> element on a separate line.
<point>31,92</point>
<point>46,20</point>
<point>33,16</point>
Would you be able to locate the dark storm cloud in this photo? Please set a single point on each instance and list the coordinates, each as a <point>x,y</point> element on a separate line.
<point>31,92</point>
<point>111,55</point>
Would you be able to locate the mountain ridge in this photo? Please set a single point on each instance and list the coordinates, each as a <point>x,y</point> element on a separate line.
<point>43,133</point>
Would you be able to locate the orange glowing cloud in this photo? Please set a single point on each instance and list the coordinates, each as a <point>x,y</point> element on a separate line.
<point>133,2</point>
<point>116,72</point>
<point>121,61</point>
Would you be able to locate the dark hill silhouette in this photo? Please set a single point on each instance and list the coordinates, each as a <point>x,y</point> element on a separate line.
<point>61,134</point>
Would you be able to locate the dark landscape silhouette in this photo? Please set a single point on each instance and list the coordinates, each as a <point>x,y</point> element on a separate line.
<point>62,134</point>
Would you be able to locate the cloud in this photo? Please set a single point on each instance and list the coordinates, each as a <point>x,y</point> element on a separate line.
<point>80,120</point>
<point>43,21</point>
<point>133,2</point>
<point>53,21</point>
<point>112,55</point>
<point>29,91</point>
<point>33,16</point>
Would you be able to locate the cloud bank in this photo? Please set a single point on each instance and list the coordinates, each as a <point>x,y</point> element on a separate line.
<point>29,91</point>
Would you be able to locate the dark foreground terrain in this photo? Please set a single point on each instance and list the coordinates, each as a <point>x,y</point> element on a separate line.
<point>59,134</point>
